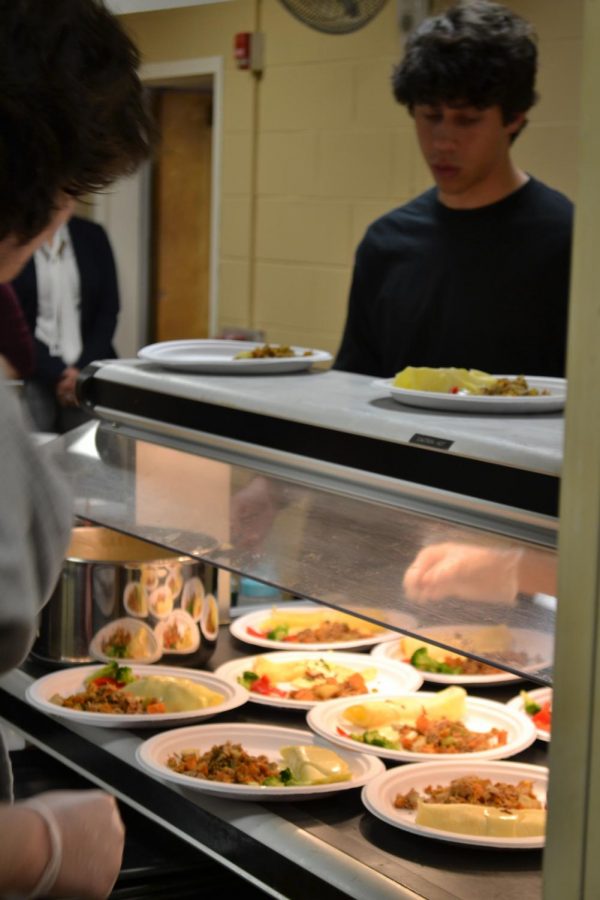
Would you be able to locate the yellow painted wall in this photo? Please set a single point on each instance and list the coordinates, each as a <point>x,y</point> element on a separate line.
<point>317,148</point>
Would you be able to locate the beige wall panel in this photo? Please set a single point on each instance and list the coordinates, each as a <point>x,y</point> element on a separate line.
<point>375,102</point>
<point>235,227</point>
<point>287,163</point>
<point>238,99</point>
<point>192,31</point>
<point>558,82</point>
<point>303,231</point>
<point>236,163</point>
<point>301,297</point>
<point>355,165</point>
<point>550,152</point>
<point>303,97</point>
<point>289,40</point>
<point>551,18</point>
<point>234,306</point>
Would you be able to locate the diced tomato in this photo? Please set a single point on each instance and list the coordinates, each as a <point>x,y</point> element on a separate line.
<point>453,390</point>
<point>255,633</point>
<point>156,708</point>
<point>264,686</point>
<point>291,639</point>
<point>106,680</point>
<point>543,718</point>
<point>341,732</point>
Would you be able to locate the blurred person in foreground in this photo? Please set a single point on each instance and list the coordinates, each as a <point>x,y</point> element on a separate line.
<point>71,121</point>
<point>474,272</point>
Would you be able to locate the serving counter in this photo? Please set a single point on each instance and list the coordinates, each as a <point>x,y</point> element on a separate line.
<point>318,485</point>
<point>327,848</point>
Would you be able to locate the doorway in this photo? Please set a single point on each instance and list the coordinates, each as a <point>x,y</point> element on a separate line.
<point>180,217</point>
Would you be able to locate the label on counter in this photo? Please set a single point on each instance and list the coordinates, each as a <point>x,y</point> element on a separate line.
<point>426,440</point>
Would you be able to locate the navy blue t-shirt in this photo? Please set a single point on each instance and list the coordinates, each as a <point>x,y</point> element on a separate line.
<point>482,288</point>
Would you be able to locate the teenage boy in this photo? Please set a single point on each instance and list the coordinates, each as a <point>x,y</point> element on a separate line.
<point>474,272</point>
<point>72,119</point>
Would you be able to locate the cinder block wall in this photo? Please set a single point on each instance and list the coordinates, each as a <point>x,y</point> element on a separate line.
<point>316,148</point>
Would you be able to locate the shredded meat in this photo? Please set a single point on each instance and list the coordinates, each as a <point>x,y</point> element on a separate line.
<point>105,698</point>
<point>475,791</point>
<point>224,762</point>
<point>445,736</point>
<point>326,632</point>
<point>331,687</point>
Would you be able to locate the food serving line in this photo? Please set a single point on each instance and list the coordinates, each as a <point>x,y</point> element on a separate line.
<point>343,441</point>
<point>330,846</point>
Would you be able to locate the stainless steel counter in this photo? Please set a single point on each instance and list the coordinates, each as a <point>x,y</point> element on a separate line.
<point>325,848</point>
<point>344,419</point>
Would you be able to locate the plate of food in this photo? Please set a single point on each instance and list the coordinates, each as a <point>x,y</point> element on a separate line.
<point>536,704</point>
<point>469,390</point>
<point>254,762</point>
<point>128,640</point>
<point>523,649</point>
<point>417,726</point>
<point>302,679</point>
<point>117,696</point>
<point>487,804</point>
<point>312,628</point>
<point>232,357</point>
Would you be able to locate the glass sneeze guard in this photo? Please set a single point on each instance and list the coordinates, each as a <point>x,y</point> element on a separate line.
<point>418,574</point>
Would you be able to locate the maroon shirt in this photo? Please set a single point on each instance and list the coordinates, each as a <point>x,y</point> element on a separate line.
<point>16,343</point>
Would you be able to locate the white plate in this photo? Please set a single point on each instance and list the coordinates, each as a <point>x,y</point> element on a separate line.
<point>70,681</point>
<point>217,357</point>
<point>155,650</point>
<point>238,629</point>
<point>540,695</point>
<point>392,677</point>
<point>379,795</point>
<point>475,403</point>
<point>536,644</point>
<point>255,739</point>
<point>481,715</point>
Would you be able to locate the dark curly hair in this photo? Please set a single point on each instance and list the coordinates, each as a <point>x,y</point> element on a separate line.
<point>72,113</point>
<point>478,53</point>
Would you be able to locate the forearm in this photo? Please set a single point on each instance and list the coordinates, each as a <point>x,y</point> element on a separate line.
<point>24,849</point>
<point>537,573</point>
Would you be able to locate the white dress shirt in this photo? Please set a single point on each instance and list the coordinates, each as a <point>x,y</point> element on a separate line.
<point>58,322</point>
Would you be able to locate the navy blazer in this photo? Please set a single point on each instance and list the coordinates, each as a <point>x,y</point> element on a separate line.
<point>99,308</point>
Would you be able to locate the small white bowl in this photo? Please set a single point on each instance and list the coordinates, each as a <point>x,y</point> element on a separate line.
<point>134,626</point>
<point>135,600</point>
<point>192,598</point>
<point>185,625</point>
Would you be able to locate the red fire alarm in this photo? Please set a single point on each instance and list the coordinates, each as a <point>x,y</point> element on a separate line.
<point>241,49</point>
<point>248,50</point>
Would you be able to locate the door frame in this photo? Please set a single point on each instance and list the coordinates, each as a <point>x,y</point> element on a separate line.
<point>136,209</point>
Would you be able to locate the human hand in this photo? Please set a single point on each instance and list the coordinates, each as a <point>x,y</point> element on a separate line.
<point>93,836</point>
<point>65,387</point>
<point>464,571</point>
<point>7,368</point>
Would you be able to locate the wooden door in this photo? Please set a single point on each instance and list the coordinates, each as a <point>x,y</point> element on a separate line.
<point>181,215</point>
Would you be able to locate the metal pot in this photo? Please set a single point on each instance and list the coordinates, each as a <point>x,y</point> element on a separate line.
<point>108,576</point>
